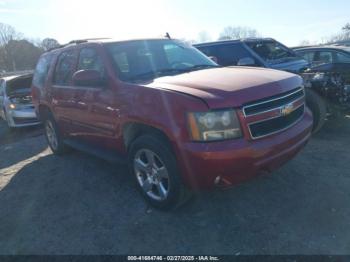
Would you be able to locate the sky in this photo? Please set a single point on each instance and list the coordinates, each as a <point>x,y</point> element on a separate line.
<point>288,21</point>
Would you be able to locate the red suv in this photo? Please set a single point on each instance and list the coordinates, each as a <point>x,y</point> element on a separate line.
<point>181,121</point>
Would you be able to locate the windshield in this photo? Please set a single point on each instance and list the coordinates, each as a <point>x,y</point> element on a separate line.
<point>148,59</point>
<point>272,52</point>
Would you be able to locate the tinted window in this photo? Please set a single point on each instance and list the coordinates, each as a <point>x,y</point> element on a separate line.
<point>65,68</point>
<point>343,58</point>
<point>272,52</point>
<point>41,71</point>
<point>89,59</point>
<point>307,55</point>
<point>138,60</point>
<point>228,54</point>
<point>324,57</point>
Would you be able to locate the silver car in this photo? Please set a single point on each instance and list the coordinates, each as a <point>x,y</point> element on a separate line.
<point>16,106</point>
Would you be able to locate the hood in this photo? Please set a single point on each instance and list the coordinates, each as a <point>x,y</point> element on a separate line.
<point>230,86</point>
<point>296,66</point>
<point>19,86</point>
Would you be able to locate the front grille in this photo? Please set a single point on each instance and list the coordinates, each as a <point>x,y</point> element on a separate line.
<point>273,102</point>
<point>277,124</point>
<point>22,121</point>
<point>275,114</point>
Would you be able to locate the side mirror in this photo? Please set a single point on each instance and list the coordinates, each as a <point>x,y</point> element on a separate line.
<point>214,58</point>
<point>246,61</point>
<point>88,77</point>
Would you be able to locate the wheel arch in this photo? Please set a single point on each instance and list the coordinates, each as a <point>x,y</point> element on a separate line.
<point>133,130</point>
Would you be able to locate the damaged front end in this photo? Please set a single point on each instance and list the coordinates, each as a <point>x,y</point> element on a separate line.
<point>331,86</point>
<point>18,107</point>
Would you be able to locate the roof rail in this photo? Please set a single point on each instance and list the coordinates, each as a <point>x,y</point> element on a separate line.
<point>79,41</point>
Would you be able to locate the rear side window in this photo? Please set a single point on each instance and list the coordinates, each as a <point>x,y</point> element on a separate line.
<point>89,59</point>
<point>64,68</point>
<point>343,58</point>
<point>41,71</point>
<point>227,54</point>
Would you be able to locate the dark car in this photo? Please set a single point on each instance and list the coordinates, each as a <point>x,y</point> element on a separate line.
<point>327,59</point>
<point>261,52</point>
<point>324,88</point>
<point>181,121</point>
<point>329,74</point>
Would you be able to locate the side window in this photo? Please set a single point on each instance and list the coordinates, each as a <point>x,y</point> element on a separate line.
<point>343,58</point>
<point>89,59</point>
<point>122,62</point>
<point>41,71</point>
<point>308,56</point>
<point>65,68</point>
<point>324,57</point>
<point>228,54</point>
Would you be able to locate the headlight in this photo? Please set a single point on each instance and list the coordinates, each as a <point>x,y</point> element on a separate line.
<point>12,106</point>
<point>214,125</point>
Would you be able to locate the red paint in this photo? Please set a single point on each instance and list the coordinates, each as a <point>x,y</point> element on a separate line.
<point>99,115</point>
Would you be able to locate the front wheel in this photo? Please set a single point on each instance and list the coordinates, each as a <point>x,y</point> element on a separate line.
<point>318,108</point>
<point>155,170</point>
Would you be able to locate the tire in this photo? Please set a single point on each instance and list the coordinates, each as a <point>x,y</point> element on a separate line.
<point>10,128</point>
<point>153,166</point>
<point>53,136</point>
<point>318,108</point>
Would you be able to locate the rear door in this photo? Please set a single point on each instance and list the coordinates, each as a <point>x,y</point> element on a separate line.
<point>342,65</point>
<point>63,93</point>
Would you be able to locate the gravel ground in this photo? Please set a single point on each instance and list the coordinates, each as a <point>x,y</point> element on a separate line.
<point>77,204</point>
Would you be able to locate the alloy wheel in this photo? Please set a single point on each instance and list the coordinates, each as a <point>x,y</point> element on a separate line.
<point>152,175</point>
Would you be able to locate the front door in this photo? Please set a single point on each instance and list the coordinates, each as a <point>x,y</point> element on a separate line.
<point>98,118</point>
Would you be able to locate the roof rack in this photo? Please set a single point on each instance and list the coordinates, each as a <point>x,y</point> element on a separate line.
<point>78,41</point>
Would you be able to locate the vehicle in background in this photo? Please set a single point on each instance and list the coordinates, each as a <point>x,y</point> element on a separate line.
<point>324,88</point>
<point>331,64</point>
<point>181,121</point>
<point>16,106</point>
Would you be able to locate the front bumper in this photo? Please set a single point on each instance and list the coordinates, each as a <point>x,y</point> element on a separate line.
<point>238,160</point>
<point>22,117</point>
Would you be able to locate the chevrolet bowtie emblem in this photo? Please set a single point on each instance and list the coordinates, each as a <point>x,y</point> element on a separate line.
<point>287,109</point>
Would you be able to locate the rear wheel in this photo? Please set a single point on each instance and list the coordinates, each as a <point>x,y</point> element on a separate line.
<point>155,170</point>
<point>318,108</point>
<point>53,136</point>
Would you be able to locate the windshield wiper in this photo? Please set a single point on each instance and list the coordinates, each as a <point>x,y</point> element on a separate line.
<point>198,67</point>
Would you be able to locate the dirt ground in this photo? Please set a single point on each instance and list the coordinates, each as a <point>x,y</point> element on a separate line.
<point>78,204</point>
